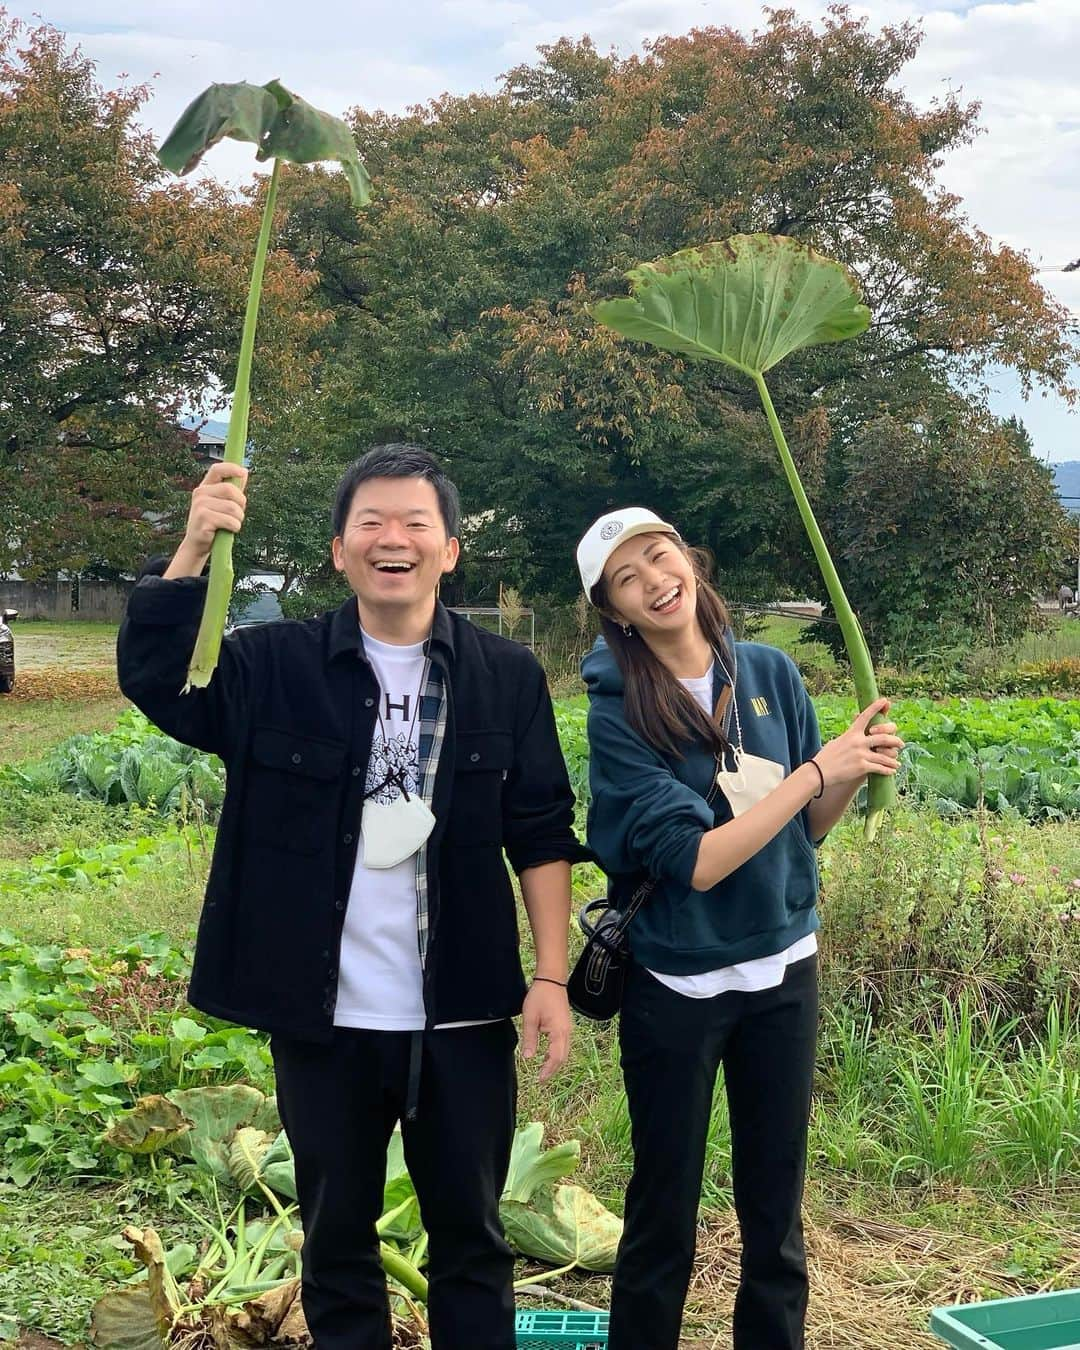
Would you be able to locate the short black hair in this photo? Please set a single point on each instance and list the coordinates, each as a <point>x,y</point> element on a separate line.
<point>399,460</point>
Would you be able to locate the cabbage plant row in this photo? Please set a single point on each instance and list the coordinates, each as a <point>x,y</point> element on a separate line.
<point>1015,755</point>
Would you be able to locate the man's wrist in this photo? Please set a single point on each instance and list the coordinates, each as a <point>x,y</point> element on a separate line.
<point>557,974</point>
<point>188,561</point>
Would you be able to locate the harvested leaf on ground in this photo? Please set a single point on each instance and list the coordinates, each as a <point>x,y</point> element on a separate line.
<point>154,1122</point>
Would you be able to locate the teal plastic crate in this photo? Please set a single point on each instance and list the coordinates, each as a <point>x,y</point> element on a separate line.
<point>561,1331</point>
<point>1037,1322</point>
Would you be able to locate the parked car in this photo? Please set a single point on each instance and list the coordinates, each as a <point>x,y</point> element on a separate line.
<point>7,651</point>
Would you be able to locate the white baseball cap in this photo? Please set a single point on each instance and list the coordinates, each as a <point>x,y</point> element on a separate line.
<point>605,535</point>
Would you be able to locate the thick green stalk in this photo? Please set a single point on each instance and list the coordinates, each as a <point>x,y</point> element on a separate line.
<point>881,790</point>
<point>204,658</point>
<point>406,1275</point>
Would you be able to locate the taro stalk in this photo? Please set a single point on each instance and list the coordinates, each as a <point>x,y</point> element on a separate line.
<point>748,302</point>
<point>283,127</point>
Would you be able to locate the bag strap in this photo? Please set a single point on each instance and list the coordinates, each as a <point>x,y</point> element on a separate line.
<point>636,901</point>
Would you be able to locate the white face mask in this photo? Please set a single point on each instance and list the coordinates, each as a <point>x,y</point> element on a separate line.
<point>752,778</point>
<point>394,831</point>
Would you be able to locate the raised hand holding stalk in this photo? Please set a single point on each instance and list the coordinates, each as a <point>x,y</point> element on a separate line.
<point>204,658</point>
<point>283,127</point>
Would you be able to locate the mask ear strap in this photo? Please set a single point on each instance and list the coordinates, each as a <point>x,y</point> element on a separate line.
<point>737,781</point>
<point>391,777</point>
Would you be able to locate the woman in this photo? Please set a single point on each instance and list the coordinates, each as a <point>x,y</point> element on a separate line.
<point>708,775</point>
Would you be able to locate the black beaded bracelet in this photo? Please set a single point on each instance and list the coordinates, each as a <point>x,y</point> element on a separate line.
<point>821,789</point>
<point>546,979</point>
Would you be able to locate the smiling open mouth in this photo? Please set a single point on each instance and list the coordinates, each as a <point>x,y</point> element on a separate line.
<point>668,601</point>
<point>388,566</point>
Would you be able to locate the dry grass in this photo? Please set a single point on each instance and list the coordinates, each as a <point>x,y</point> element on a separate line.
<point>873,1283</point>
<point>77,685</point>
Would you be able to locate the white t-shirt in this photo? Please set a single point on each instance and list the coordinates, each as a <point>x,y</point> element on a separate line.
<point>380,984</point>
<point>748,977</point>
<point>381,980</point>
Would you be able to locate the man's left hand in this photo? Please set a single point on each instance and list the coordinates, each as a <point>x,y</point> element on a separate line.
<point>546,1012</point>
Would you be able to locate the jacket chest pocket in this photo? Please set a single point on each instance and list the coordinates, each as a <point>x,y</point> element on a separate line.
<point>292,791</point>
<point>482,761</point>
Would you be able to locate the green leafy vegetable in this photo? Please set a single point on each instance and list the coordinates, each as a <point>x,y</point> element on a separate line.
<point>531,1166</point>
<point>567,1227</point>
<point>217,1115</point>
<point>284,127</point>
<point>748,302</point>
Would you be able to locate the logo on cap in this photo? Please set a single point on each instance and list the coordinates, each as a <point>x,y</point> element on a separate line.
<point>611,529</point>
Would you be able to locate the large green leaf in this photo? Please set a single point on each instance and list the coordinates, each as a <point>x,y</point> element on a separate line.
<point>748,301</point>
<point>217,1113</point>
<point>282,125</point>
<point>532,1167</point>
<point>399,1196</point>
<point>278,1168</point>
<point>566,1227</point>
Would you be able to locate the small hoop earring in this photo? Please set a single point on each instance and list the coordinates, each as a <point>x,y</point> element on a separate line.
<point>628,629</point>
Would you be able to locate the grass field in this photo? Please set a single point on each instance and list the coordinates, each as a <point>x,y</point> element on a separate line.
<point>44,645</point>
<point>1056,639</point>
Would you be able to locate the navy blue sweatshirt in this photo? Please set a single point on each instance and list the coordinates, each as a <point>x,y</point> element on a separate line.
<point>649,811</point>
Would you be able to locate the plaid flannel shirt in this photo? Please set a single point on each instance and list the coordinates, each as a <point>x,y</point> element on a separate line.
<point>432,734</point>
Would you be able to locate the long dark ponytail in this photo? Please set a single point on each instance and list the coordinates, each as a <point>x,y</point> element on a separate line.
<point>657,706</point>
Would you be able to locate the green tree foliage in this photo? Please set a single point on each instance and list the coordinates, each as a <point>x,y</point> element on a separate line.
<point>121,302</point>
<point>459,300</point>
<point>949,528</point>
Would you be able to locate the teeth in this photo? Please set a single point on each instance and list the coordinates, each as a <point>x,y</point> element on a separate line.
<point>394,566</point>
<point>667,598</point>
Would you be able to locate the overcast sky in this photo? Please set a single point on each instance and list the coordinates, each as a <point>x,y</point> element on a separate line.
<point>1020,181</point>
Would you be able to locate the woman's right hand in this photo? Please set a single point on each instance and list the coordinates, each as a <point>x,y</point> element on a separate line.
<point>862,749</point>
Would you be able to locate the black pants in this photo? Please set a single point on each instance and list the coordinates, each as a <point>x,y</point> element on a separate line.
<point>339,1104</point>
<point>672,1047</point>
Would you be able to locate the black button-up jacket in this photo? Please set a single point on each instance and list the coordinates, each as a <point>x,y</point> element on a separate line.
<point>290,710</point>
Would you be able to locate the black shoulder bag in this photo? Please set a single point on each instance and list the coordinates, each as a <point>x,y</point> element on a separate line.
<point>595,987</point>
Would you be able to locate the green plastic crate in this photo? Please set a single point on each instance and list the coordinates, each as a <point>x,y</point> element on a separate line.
<point>561,1331</point>
<point>1038,1322</point>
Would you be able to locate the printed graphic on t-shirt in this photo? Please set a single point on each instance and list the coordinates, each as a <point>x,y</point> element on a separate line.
<point>393,761</point>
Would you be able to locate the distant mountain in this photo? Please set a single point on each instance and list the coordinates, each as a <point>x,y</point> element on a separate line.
<point>1067,479</point>
<point>209,428</point>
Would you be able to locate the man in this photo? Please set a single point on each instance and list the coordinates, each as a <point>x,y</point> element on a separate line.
<point>380,759</point>
<point>1065,597</point>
